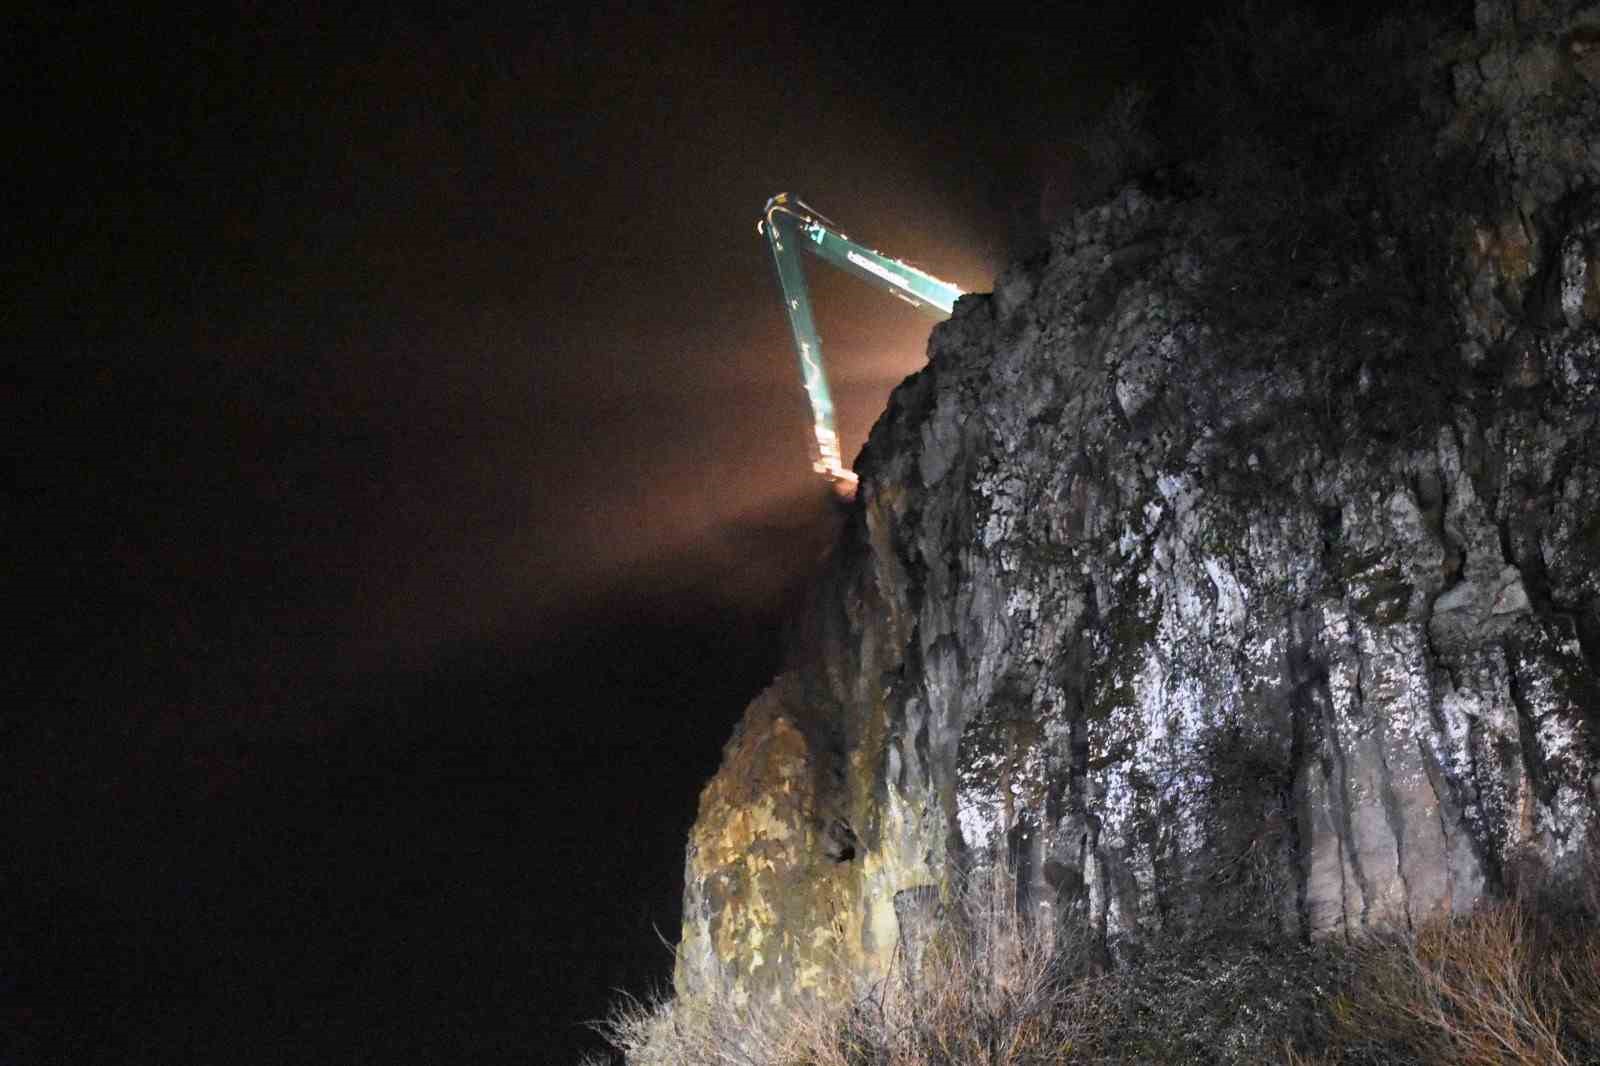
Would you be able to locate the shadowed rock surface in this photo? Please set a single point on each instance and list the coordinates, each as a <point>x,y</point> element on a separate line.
<point>1234,568</point>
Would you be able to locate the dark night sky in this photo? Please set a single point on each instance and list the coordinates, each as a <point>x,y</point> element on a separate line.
<point>412,472</point>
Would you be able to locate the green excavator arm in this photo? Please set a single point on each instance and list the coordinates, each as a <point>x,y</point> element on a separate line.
<point>789,225</point>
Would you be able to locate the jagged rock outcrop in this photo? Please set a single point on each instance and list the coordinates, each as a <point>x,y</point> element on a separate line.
<point>1222,574</point>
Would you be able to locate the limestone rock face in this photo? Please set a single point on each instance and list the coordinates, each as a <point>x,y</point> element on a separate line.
<point>1208,619</point>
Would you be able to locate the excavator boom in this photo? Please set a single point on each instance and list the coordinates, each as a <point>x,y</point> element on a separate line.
<point>789,225</point>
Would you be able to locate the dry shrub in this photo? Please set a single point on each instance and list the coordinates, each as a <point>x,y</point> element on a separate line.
<point>1460,992</point>
<point>995,989</point>
<point>719,1032</point>
<point>1499,988</point>
<point>992,989</point>
<point>1576,977</point>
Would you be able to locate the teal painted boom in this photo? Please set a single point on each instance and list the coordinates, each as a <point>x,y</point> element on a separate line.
<point>789,225</point>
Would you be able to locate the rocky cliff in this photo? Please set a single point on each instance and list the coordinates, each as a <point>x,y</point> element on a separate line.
<point>1233,566</point>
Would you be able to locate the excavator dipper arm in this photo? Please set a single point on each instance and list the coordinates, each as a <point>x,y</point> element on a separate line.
<point>789,225</point>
